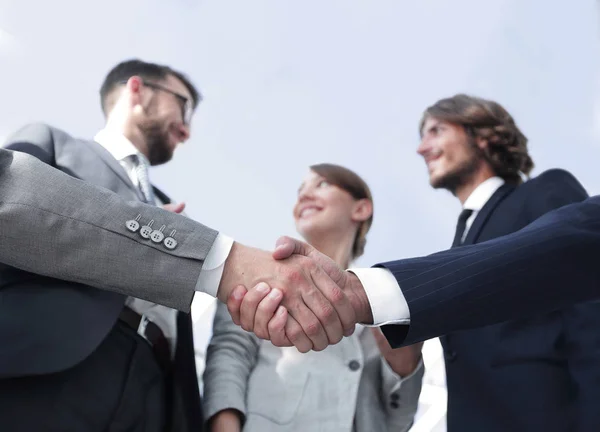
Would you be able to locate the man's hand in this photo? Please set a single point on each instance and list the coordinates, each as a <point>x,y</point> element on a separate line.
<point>175,208</point>
<point>260,310</point>
<point>347,281</point>
<point>319,312</point>
<point>403,360</point>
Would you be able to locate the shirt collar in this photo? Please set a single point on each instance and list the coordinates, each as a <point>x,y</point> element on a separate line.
<point>483,193</point>
<point>117,144</point>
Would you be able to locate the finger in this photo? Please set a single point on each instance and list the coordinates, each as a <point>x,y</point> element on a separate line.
<point>285,331</point>
<point>331,306</point>
<point>310,325</point>
<point>250,305</point>
<point>234,302</point>
<point>338,299</point>
<point>265,311</point>
<point>287,246</point>
<point>175,208</point>
<point>297,336</point>
<point>276,328</point>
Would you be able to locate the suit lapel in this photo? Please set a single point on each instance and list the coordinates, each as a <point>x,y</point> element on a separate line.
<point>115,166</point>
<point>485,213</point>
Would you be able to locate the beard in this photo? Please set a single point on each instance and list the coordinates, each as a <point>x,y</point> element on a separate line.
<point>157,140</point>
<point>462,173</point>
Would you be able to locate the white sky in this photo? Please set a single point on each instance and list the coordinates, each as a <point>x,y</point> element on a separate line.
<point>288,84</point>
<point>291,84</point>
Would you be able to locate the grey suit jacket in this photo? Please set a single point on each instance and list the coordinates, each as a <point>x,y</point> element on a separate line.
<point>62,239</point>
<point>347,387</point>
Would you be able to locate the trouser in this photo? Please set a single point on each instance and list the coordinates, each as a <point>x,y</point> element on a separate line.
<point>119,387</point>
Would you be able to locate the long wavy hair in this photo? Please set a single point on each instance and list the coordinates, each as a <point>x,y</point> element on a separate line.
<point>506,149</point>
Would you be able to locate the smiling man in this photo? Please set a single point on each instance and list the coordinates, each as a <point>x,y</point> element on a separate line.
<point>539,373</point>
<point>121,351</point>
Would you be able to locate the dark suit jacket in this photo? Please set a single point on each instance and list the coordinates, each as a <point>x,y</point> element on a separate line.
<point>538,373</point>
<point>548,265</point>
<point>57,323</point>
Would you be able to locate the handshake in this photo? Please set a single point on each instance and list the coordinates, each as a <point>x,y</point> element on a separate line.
<point>295,296</point>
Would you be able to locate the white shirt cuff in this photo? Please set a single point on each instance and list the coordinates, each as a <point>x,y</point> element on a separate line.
<point>387,301</point>
<point>214,263</point>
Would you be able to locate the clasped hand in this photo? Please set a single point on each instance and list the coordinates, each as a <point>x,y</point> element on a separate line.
<point>297,295</point>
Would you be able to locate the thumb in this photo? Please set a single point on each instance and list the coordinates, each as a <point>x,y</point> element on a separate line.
<point>175,208</point>
<point>287,246</point>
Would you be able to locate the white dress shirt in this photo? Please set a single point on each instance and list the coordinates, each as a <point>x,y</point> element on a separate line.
<point>478,198</point>
<point>122,149</point>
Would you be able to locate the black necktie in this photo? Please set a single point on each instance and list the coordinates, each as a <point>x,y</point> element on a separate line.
<point>460,226</point>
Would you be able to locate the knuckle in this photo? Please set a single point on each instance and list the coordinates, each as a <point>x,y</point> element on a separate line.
<point>337,296</point>
<point>328,314</point>
<point>313,328</point>
<point>252,299</point>
<point>295,333</point>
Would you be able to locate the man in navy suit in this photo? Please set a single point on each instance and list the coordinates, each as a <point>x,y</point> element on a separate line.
<point>540,372</point>
<point>537,373</point>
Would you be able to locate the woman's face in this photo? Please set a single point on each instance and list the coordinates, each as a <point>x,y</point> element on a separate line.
<point>322,207</point>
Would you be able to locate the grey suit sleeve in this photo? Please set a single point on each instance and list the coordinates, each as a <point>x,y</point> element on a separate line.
<point>58,226</point>
<point>230,358</point>
<point>400,396</point>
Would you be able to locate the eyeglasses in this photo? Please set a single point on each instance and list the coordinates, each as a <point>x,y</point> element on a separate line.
<point>187,107</point>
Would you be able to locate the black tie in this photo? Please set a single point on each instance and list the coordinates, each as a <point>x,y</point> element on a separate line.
<point>460,226</point>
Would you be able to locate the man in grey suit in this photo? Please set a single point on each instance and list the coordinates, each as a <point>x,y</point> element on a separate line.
<point>85,359</point>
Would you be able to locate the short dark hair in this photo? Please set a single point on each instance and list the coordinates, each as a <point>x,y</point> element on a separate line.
<point>150,71</point>
<point>352,183</point>
<point>506,151</point>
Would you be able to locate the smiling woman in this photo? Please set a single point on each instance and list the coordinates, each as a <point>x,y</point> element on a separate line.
<point>256,386</point>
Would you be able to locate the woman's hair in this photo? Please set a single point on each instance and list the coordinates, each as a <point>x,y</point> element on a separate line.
<point>506,151</point>
<point>352,183</point>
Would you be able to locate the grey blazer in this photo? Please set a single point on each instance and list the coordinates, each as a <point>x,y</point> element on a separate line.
<point>346,387</point>
<point>62,239</point>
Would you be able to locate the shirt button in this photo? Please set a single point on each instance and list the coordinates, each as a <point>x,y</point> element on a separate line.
<point>394,405</point>
<point>395,397</point>
<point>354,365</point>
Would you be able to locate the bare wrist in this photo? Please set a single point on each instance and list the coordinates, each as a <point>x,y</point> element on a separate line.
<point>229,420</point>
<point>239,269</point>
<point>405,368</point>
<point>358,298</point>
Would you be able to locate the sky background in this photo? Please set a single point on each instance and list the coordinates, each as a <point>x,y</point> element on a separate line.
<point>289,84</point>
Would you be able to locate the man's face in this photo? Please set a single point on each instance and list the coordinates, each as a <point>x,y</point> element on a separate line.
<point>451,155</point>
<point>163,124</point>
